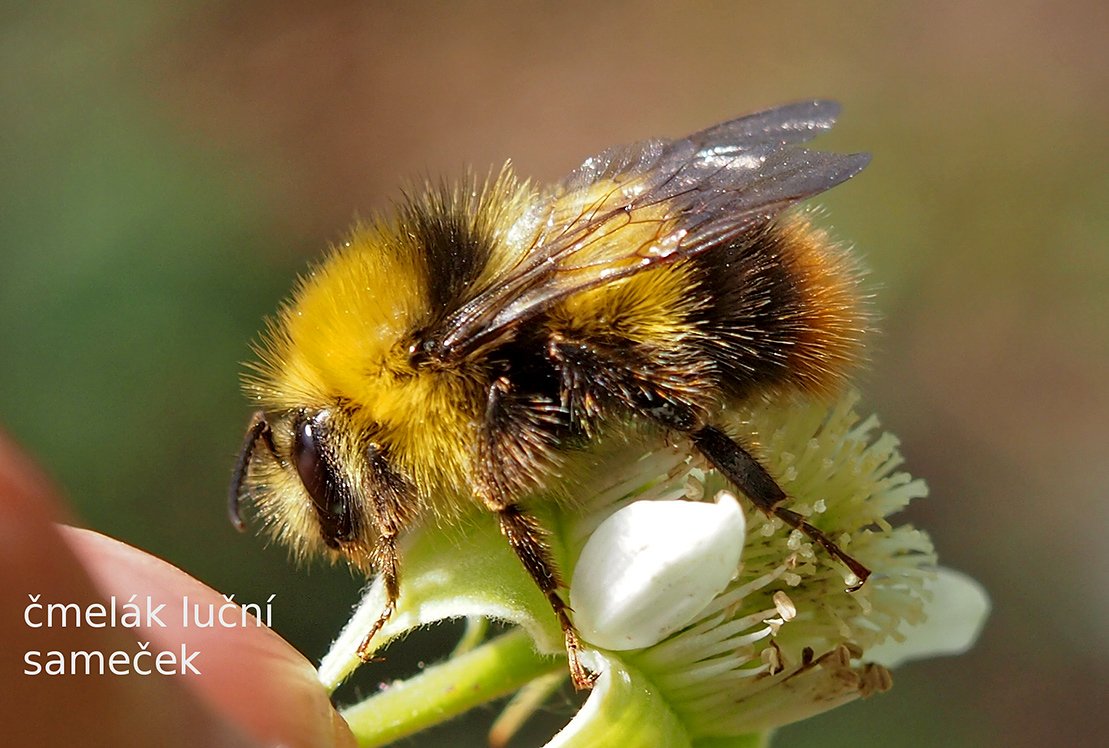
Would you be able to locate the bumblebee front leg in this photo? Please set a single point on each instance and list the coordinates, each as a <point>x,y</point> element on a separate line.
<point>385,561</point>
<point>392,496</point>
<point>750,477</point>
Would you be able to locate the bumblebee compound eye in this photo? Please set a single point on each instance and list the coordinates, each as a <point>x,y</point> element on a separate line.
<point>330,494</point>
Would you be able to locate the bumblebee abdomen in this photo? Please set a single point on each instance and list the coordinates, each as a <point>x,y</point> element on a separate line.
<point>782,310</point>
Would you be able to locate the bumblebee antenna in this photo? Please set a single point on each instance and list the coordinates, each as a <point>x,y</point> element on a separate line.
<point>259,428</point>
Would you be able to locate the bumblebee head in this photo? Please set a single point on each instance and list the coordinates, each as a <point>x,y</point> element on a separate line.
<point>317,487</point>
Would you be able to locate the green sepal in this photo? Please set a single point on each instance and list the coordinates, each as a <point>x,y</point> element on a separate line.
<point>624,709</point>
<point>448,574</point>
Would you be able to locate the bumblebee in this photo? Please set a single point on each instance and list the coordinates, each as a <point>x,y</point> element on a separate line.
<point>456,354</point>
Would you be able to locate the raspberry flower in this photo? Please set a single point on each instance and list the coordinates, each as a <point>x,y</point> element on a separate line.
<point>706,623</point>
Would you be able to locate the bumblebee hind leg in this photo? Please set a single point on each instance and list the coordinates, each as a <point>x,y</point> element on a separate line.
<point>750,477</point>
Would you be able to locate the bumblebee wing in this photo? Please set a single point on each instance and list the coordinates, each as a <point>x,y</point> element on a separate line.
<point>792,123</point>
<point>654,202</point>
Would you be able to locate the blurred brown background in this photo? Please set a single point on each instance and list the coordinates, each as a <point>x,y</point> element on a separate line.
<point>169,168</point>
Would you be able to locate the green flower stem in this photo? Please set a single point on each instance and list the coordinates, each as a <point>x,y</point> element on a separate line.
<point>443,691</point>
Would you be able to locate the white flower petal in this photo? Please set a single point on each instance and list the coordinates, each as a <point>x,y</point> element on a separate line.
<point>651,567</point>
<point>953,619</point>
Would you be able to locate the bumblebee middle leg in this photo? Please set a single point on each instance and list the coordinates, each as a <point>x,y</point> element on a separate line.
<point>750,477</point>
<point>517,436</point>
<point>526,538</point>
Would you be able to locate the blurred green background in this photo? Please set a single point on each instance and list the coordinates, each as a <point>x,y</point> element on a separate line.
<point>168,168</point>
